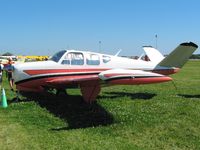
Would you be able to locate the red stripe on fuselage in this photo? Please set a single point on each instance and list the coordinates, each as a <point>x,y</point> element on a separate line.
<point>51,71</point>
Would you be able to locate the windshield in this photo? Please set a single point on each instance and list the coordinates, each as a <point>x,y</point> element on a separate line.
<point>56,57</point>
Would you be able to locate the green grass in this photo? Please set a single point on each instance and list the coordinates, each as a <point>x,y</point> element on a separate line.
<point>157,116</point>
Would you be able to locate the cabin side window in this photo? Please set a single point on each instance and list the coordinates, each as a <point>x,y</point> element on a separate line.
<point>106,59</point>
<point>73,58</point>
<point>92,59</point>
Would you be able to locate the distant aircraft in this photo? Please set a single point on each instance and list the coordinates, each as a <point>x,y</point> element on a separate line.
<point>90,71</point>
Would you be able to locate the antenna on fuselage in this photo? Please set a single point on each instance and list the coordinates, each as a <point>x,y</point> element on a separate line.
<point>99,46</point>
<point>118,52</point>
<point>156,38</point>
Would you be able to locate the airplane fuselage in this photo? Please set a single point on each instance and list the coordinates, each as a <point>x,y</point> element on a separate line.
<point>76,67</point>
<point>89,71</point>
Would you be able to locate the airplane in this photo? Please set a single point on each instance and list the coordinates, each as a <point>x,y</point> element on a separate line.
<point>91,71</point>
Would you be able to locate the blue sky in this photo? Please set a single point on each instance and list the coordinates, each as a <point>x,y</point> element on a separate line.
<point>42,27</point>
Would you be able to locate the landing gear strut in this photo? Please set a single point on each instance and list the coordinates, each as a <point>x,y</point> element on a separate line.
<point>61,92</point>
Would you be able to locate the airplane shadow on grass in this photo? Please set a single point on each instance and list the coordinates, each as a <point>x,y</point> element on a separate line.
<point>133,96</point>
<point>73,110</point>
<point>78,114</point>
<point>189,96</point>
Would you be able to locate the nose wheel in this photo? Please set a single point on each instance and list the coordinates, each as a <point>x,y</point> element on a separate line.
<point>16,99</point>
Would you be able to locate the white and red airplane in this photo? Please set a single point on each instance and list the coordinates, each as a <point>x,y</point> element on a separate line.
<point>90,71</point>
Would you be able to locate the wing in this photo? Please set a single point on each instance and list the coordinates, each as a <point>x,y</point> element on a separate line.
<point>90,85</point>
<point>113,76</point>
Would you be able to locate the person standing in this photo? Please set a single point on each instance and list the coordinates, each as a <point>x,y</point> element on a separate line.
<point>1,73</point>
<point>9,69</point>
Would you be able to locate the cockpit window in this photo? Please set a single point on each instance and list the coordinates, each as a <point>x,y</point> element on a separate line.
<point>56,57</point>
<point>73,58</point>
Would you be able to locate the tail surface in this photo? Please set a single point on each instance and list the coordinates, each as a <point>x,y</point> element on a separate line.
<point>178,57</point>
<point>154,55</point>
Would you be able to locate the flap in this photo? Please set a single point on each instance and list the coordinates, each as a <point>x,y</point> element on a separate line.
<point>126,73</point>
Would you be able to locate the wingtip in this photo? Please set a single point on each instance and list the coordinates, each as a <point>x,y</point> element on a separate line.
<point>189,44</point>
<point>147,46</point>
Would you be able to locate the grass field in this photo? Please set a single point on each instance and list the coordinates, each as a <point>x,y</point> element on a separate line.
<point>157,116</point>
